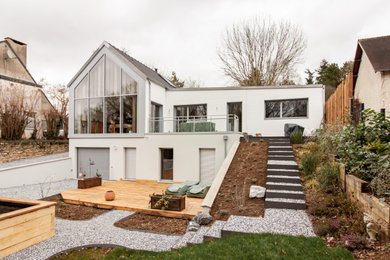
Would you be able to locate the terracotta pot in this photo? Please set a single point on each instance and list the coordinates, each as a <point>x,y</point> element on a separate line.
<point>110,195</point>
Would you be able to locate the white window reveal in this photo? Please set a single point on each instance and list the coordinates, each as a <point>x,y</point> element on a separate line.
<point>288,108</point>
<point>207,165</point>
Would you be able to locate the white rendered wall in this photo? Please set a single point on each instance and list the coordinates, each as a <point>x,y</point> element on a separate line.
<point>186,153</point>
<point>41,172</point>
<point>253,106</point>
<point>372,89</point>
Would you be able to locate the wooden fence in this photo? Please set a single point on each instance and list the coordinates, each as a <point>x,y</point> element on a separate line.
<point>338,106</point>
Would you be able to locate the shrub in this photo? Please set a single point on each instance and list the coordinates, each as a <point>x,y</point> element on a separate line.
<point>312,147</point>
<point>309,163</point>
<point>323,229</point>
<point>296,137</point>
<point>328,176</point>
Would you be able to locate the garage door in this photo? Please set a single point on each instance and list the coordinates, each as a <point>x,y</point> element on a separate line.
<point>94,160</point>
<point>207,165</point>
<point>130,163</point>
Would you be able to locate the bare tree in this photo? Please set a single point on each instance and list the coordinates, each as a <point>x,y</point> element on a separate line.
<point>261,52</point>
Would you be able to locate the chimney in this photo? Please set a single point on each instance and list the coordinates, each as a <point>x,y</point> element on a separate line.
<point>156,70</point>
<point>20,49</point>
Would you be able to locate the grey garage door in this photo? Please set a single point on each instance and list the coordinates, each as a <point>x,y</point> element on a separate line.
<point>94,160</point>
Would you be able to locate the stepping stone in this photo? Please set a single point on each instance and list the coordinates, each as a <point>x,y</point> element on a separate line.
<point>215,231</point>
<point>284,205</point>
<point>286,180</point>
<point>282,195</point>
<point>283,167</point>
<point>283,187</point>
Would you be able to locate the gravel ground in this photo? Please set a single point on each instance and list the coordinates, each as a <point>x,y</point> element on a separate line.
<point>38,191</point>
<point>33,160</point>
<point>99,230</point>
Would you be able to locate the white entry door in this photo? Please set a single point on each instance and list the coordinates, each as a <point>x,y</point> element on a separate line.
<point>130,159</point>
<point>207,165</point>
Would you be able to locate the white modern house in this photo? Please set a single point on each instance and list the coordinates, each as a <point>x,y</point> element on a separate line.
<point>129,122</point>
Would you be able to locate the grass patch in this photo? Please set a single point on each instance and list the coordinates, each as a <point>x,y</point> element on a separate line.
<point>243,246</point>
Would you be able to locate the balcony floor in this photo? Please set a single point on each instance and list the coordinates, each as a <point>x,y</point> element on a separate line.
<point>130,195</point>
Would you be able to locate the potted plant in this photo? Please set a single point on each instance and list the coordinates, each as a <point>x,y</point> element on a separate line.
<point>167,202</point>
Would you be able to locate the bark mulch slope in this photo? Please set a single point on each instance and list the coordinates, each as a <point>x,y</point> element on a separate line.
<point>248,168</point>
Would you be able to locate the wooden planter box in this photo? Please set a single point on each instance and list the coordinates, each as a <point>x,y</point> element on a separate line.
<point>32,223</point>
<point>176,203</point>
<point>90,182</point>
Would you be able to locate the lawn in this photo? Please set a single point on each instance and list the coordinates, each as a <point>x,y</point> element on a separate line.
<point>245,246</point>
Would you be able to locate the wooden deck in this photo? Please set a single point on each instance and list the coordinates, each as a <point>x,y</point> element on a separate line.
<point>129,195</point>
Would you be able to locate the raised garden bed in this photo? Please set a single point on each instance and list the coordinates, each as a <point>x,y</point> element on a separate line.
<point>74,212</point>
<point>89,182</point>
<point>140,221</point>
<point>167,202</point>
<point>24,223</point>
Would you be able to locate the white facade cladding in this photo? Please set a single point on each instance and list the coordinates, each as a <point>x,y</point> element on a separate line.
<point>173,134</point>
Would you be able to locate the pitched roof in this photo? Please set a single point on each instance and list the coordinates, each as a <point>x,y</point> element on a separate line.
<point>148,72</point>
<point>378,52</point>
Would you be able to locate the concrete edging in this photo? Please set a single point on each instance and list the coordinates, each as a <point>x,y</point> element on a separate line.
<point>212,193</point>
<point>32,164</point>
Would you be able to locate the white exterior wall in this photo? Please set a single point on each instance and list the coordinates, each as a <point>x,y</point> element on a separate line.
<point>148,158</point>
<point>34,173</point>
<point>372,88</point>
<point>253,106</point>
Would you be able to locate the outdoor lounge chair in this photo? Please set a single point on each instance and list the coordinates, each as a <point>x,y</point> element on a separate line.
<point>179,189</point>
<point>199,191</point>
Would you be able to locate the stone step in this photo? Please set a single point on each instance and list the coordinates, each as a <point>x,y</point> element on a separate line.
<point>281,157</point>
<point>283,172</point>
<point>281,153</point>
<point>215,231</point>
<point>279,143</point>
<point>198,236</point>
<point>280,162</point>
<point>182,242</point>
<point>279,149</point>
<point>282,166</point>
<point>282,195</point>
<point>285,180</point>
<point>283,187</point>
<point>284,205</point>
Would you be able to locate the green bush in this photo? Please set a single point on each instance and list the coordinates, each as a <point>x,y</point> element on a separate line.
<point>309,163</point>
<point>296,137</point>
<point>328,176</point>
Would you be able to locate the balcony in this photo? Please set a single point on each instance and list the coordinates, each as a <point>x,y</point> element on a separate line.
<point>192,124</point>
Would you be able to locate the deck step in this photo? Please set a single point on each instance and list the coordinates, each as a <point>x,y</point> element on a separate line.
<point>282,166</point>
<point>282,195</point>
<point>283,187</point>
<point>284,205</point>
<point>285,180</point>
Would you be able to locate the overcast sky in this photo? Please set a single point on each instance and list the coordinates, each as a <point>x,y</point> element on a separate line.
<point>179,35</point>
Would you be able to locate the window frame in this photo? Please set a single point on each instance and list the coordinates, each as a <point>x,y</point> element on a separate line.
<point>281,109</point>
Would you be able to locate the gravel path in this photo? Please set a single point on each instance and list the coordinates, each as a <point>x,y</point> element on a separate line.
<point>99,230</point>
<point>33,160</point>
<point>38,191</point>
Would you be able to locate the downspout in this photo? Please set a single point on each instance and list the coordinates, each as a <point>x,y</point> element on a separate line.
<point>148,105</point>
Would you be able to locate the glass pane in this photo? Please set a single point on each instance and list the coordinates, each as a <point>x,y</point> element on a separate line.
<point>235,109</point>
<point>96,115</point>
<point>156,118</point>
<point>97,79</point>
<point>294,108</point>
<point>81,116</point>
<point>129,114</point>
<point>81,91</point>
<point>113,115</point>
<point>129,85</point>
<point>180,116</point>
<point>198,112</point>
<point>272,109</point>
<point>167,164</point>
<point>113,74</point>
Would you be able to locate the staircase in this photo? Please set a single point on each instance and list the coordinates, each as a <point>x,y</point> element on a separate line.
<point>284,189</point>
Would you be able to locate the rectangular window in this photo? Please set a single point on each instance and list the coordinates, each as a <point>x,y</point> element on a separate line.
<point>191,113</point>
<point>234,108</point>
<point>166,164</point>
<point>129,104</point>
<point>156,114</point>
<point>113,115</point>
<point>96,115</point>
<point>286,108</point>
<point>81,116</point>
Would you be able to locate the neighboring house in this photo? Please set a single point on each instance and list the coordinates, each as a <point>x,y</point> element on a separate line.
<point>371,72</point>
<point>126,121</point>
<point>16,79</point>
